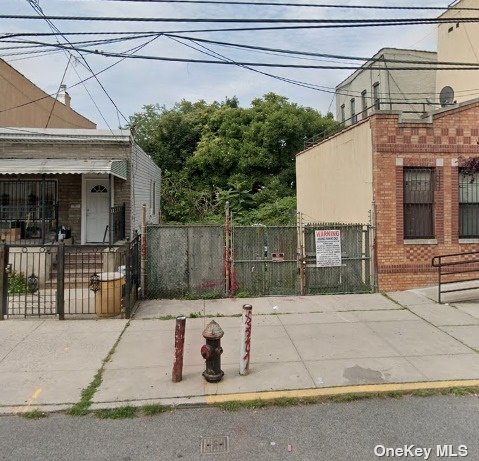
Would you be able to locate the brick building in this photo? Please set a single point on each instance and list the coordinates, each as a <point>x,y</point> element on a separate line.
<point>404,177</point>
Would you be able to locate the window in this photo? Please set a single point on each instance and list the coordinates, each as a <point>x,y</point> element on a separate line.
<point>364,104</point>
<point>376,97</point>
<point>99,189</point>
<point>354,119</point>
<point>469,206</point>
<point>343,113</point>
<point>418,203</point>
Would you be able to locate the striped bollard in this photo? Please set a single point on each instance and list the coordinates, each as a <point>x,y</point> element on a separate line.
<point>247,321</point>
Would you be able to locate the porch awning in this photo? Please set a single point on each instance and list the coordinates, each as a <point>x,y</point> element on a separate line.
<point>118,168</point>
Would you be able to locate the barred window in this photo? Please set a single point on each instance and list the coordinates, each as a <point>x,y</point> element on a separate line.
<point>418,203</point>
<point>469,206</point>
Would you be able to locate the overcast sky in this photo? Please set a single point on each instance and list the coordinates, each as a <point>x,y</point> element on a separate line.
<point>134,83</point>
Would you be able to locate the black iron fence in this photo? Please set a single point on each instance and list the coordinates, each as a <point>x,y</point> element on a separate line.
<point>456,272</point>
<point>69,280</point>
<point>117,223</point>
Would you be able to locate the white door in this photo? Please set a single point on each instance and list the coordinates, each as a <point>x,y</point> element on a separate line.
<point>97,209</point>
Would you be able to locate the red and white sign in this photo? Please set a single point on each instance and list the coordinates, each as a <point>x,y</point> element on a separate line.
<point>328,248</point>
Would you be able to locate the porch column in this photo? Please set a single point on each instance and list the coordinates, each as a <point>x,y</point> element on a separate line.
<point>110,217</point>
<point>42,207</point>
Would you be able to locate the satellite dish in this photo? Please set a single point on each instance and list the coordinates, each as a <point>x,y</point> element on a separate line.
<point>446,97</point>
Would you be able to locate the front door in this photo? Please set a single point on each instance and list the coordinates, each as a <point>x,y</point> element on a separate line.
<point>97,209</point>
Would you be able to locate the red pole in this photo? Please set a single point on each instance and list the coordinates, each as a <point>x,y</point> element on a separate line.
<point>177,374</point>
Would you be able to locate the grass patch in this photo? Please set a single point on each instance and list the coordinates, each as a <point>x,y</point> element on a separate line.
<point>82,407</point>
<point>167,317</point>
<point>242,294</point>
<point>124,412</point>
<point>191,296</point>
<point>33,414</point>
<point>236,405</point>
<point>195,315</point>
<point>154,409</point>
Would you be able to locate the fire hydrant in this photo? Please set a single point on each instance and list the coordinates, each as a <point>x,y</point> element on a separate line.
<point>211,352</point>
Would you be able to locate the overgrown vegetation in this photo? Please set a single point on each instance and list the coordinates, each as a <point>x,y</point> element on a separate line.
<point>126,411</point>
<point>215,153</point>
<point>82,407</point>
<point>19,284</point>
<point>343,398</point>
<point>33,414</point>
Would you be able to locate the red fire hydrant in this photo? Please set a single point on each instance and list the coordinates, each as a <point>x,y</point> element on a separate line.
<point>211,352</point>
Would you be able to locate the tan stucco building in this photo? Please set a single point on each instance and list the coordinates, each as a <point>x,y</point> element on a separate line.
<point>23,104</point>
<point>381,84</point>
<point>458,42</point>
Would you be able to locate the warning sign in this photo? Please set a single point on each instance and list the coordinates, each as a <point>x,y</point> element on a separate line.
<point>328,248</point>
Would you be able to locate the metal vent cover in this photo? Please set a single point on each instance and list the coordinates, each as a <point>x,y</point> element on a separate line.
<point>216,444</point>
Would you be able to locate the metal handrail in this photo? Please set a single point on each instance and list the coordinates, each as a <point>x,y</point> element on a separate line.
<point>437,261</point>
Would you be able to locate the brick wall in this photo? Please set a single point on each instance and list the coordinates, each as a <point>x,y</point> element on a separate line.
<point>442,143</point>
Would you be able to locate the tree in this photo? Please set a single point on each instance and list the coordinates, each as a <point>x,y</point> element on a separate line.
<point>218,152</point>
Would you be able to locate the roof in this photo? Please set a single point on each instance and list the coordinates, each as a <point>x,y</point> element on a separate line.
<point>117,168</point>
<point>379,54</point>
<point>429,118</point>
<point>10,68</point>
<point>64,135</point>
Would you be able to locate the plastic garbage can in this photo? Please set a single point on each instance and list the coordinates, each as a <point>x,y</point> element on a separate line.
<point>108,297</point>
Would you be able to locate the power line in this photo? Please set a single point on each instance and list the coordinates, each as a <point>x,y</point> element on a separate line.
<point>132,50</point>
<point>313,5</point>
<point>322,55</point>
<point>37,8</point>
<point>243,29</point>
<point>237,20</point>
<point>261,64</point>
<point>58,91</point>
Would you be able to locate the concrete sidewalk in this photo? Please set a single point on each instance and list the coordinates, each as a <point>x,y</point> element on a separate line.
<point>298,343</point>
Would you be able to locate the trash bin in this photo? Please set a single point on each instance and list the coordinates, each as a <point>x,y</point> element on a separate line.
<point>108,297</point>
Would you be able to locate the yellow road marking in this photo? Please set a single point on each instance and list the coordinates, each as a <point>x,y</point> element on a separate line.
<point>31,400</point>
<point>332,391</point>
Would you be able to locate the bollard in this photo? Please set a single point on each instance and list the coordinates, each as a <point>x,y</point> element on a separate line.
<point>246,339</point>
<point>211,352</point>
<point>177,374</point>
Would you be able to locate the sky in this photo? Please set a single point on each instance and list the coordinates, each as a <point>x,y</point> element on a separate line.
<point>134,83</point>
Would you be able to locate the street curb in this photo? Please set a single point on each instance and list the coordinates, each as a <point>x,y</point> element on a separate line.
<point>202,401</point>
<point>343,390</point>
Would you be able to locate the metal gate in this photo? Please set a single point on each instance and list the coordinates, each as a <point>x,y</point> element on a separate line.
<point>281,260</point>
<point>69,280</point>
<point>265,260</point>
<point>185,261</point>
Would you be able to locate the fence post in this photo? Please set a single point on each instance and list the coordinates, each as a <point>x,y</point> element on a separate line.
<point>61,281</point>
<point>143,251</point>
<point>128,272</point>
<point>227,251</point>
<point>301,256</point>
<point>177,373</point>
<point>246,339</point>
<point>3,281</point>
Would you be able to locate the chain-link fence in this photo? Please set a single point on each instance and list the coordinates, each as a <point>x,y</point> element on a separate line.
<point>185,260</point>
<point>214,260</point>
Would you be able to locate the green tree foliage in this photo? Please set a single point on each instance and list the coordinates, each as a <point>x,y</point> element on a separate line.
<point>215,153</point>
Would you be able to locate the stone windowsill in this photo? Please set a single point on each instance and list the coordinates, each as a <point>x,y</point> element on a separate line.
<point>420,242</point>
<point>468,240</point>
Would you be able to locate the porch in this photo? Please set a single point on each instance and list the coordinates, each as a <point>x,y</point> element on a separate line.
<point>76,205</point>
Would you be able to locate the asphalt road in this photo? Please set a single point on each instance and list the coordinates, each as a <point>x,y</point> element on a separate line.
<point>328,431</point>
